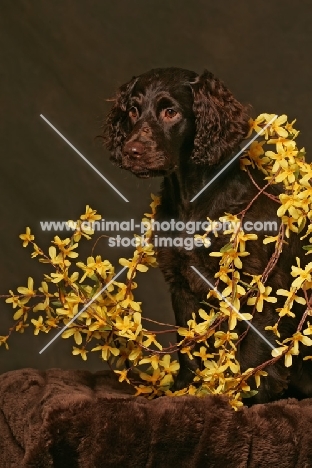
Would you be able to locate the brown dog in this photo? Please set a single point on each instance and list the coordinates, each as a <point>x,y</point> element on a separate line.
<point>176,124</point>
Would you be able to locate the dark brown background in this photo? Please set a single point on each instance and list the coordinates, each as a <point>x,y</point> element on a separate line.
<point>63,58</point>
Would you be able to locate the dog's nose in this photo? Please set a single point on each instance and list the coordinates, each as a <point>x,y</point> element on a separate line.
<point>134,149</point>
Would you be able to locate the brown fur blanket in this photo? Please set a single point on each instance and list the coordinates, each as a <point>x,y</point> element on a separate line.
<point>76,419</point>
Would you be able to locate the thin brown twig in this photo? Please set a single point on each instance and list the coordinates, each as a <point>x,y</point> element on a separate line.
<point>269,195</point>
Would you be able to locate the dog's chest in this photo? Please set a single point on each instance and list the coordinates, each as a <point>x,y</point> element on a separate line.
<point>179,248</point>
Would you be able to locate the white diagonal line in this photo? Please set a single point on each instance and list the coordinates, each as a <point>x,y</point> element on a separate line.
<point>84,158</point>
<point>234,308</point>
<point>233,159</point>
<point>82,310</point>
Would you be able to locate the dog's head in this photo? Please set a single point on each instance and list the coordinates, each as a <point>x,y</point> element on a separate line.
<point>168,115</point>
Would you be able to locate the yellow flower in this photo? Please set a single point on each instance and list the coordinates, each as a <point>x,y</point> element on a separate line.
<point>291,152</point>
<point>90,215</point>
<point>169,367</point>
<point>280,162</point>
<point>106,351</point>
<point>214,369</point>
<point>133,265</point>
<point>230,256</point>
<point>156,201</point>
<point>144,248</point>
<point>269,239</point>
<point>236,403</point>
<point>289,222</point>
<point>234,366</point>
<point>75,332</point>
<point>286,174</point>
<point>279,351</point>
<point>282,144</point>
<point>3,341</point>
<point>104,268</point>
<point>68,251</point>
<point>26,238</point>
<point>89,269</point>
<point>276,126</point>
<point>128,303</point>
<point>306,169</point>
<point>255,157</point>
<point>256,149</point>
<point>187,350</point>
<point>294,350</point>
<point>205,239</point>
<point>222,338</point>
<point>127,327</point>
<point>223,274</point>
<point>15,300</point>
<point>233,221</point>
<point>282,311</point>
<point>287,201</point>
<point>57,277</point>
<point>29,291</point>
<point>61,243</point>
<point>288,355</point>
<point>153,360</point>
<point>265,119</point>
<point>255,124</point>
<point>234,289</point>
<point>290,129</point>
<point>123,375</point>
<point>83,352</point>
<point>56,258</point>
<point>242,238</point>
<point>298,337</point>
<point>166,382</point>
<point>258,375</point>
<point>21,312</point>
<point>151,339</point>
<point>124,353</point>
<point>210,318</point>
<point>187,332</point>
<point>142,389</point>
<point>307,193</point>
<point>303,275</point>
<point>20,327</point>
<point>291,296</point>
<point>81,228</point>
<point>263,295</point>
<point>230,312</point>
<point>243,162</point>
<point>37,251</point>
<point>308,331</point>
<point>122,291</point>
<point>44,289</point>
<point>157,375</point>
<point>39,325</point>
<point>182,392</point>
<point>202,353</point>
<point>52,322</point>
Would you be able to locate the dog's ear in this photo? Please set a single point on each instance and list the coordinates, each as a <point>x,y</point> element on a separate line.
<point>115,126</point>
<point>221,121</point>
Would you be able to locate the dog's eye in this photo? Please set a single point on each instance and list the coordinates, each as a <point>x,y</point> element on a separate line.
<point>133,112</point>
<point>169,113</point>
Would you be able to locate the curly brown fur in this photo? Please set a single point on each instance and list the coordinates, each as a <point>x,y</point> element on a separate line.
<point>175,123</point>
<point>116,122</point>
<point>221,121</point>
